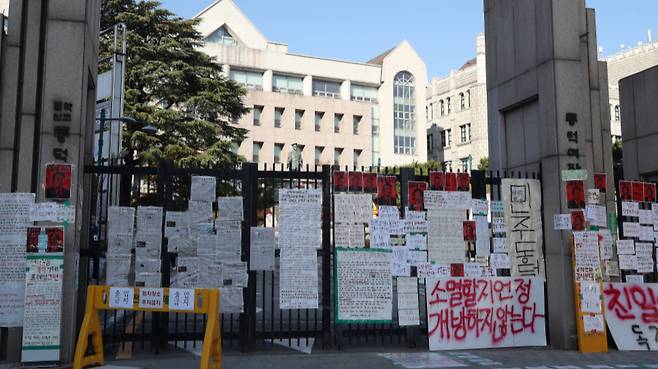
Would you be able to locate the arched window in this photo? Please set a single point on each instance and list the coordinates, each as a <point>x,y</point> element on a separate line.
<point>404,114</point>
<point>443,111</point>
<point>617,115</point>
<point>468,98</point>
<point>462,101</point>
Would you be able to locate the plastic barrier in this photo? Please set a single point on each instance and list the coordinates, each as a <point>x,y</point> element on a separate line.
<point>204,301</point>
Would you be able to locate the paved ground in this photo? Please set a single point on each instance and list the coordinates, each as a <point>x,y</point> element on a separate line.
<point>499,358</point>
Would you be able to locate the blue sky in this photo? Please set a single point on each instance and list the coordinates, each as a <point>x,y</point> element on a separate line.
<point>442,31</point>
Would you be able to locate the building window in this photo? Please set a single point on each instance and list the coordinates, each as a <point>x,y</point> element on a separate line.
<point>221,36</point>
<point>430,142</point>
<point>250,80</point>
<point>318,121</point>
<point>445,138</point>
<point>287,84</point>
<point>338,118</point>
<point>318,154</point>
<point>463,163</point>
<point>326,88</point>
<point>462,101</point>
<point>448,103</point>
<point>468,98</point>
<point>356,158</point>
<point>431,112</point>
<point>338,153</point>
<point>278,148</point>
<point>468,131</point>
<point>363,93</point>
<point>256,151</point>
<point>258,111</point>
<point>617,113</point>
<point>442,106</point>
<point>462,133</point>
<point>356,121</point>
<point>299,114</point>
<point>404,114</point>
<point>235,147</point>
<point>278,114</point>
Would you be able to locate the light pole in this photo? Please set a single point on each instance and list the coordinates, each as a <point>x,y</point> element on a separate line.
<point>145,127</point>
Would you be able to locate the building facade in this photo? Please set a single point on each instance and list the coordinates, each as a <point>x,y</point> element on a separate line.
<point>625,64</point>
<point>338,112</point>
<point>456,112</point>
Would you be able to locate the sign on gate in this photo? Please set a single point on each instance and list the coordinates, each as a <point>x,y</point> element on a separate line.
<point>631,312</point>
<point>466,313</point>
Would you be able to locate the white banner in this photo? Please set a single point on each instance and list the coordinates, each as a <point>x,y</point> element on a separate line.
<point>631,312</point>
<point>468,313</point>
<point>522,199</point>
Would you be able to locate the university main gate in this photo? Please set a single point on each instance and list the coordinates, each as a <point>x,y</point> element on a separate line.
<point>263,322</point>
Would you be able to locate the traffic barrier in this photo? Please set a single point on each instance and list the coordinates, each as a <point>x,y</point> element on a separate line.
<point>203,301</point>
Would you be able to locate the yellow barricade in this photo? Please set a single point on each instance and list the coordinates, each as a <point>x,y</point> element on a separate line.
<point>206,301</point>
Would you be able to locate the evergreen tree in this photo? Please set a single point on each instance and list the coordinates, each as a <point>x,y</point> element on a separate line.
<point>174,86</point>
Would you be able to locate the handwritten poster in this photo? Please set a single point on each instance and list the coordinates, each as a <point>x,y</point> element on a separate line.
<point>522,199</point>
<point>352,208</point>
<point>298,278</point>
<point>230,207</point>
<point>262,249</point>
<point>203,188</point>
<point>587,263</point>
<point>468,313</point>
<point>630,313</point>
<point>43,299</point>
<point>364,289</point>
<point>300,213</point>
<point>445,240</point>
<point>408,312</point>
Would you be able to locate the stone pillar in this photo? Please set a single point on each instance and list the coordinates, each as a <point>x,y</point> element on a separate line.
<point>308,85</point>
<point>267,81</point>
<point>545,87</point>
<point>346,90</point>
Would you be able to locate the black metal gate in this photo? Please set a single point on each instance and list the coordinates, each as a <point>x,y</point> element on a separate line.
<point>262,321</point>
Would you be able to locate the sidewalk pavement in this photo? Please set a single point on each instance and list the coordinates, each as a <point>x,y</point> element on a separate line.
<point>521,358</point>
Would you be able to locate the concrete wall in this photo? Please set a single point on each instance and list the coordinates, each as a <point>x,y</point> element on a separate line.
<point>542,65</point>
<point>51,55</point>
<point>639,112</point>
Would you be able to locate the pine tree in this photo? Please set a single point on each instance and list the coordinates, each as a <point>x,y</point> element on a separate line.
<point>174,86</point>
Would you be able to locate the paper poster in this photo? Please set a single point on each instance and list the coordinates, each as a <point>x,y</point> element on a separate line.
<point>187,272</point>
<point>340,182</point>
<point>632,320</point>
<point>513,297</point>
<point>121,298</point>
<point>646,234</point>
<point>408,312</point>
<point>382,229</point>
<point>355,181</point>
<point>262,249</point>
<point>596,215</point>
<point>625,247</point>
<point>590,297</point>
<point>386,190</point>
<point>177,224</point>
<point>649,192</point>
<point>11,304</point>
<point>445,241</point>
<point>451,182</point>
<point>388,212</point>
<point>575,194</point>
<point>118,269</point>
<point>630,209</point>
<point>587,263</point>
<point>646,217</point>
<point>181,299</point>
<point>148,245</point>
<point>232,300</point>
<point>43,307</point>
<point>522,199</point>
<point>298,278</point>
<point>612,268</point>
<point>148,279</point>
<point>364,291</point>
<point>437,181</point>
<point>151,298</point>
<point>643,250</point>
<point>415,195</point>
<point>634,278</point>
<point>357,235</point>
<point>482,245</point>
<point>638,191</point>
<point>203,188</point>
<point>52,212</point>
<point>121,220</point>
<point>499,261</point>
<point>627,262</point>
<point>631,229</point>
<point>625,191</point>
<point>144,265</point>
<point>352,208</point>
<point>500,245</point>
<point>58,181</point>
<point>234,274</point>
<point>230,208</point>
<point>498,225</point>
<point>447,200</point>
<point>574,175</point>
<point>605,244</point>
<point>370,183</point>
<point>562,222</point>
<point>300,218</point>
<point>199,212</point>
<point>149,219</point>
<point>593,323</point>
<point>479,207</point>
<point>425,270</point>
<point>472,269</point>
<point>593,196</point>
<point>342,235</point>
<point>400,266</point>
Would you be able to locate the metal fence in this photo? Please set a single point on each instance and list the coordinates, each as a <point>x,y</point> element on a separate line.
<point>262,322</point>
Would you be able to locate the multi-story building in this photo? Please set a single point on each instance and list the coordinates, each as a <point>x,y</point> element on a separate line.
<point>621,65</point>
<point>457,112</point>
<point>338,112</point>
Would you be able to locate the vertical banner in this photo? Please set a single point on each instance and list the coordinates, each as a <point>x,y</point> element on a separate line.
<point>522,200</point>
<point>468,313</point>
<point>43,301</point>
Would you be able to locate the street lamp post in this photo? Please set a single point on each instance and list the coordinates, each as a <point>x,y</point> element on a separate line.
<point>145,127</point>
